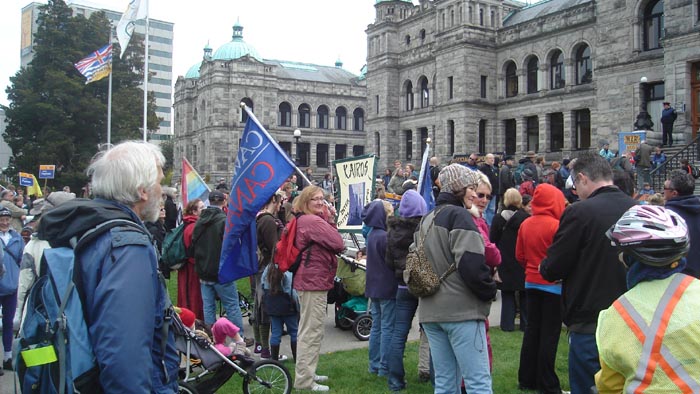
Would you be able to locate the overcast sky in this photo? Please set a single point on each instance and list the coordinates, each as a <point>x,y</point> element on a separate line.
<point>310,31</point>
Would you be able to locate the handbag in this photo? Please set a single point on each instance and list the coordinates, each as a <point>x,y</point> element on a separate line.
<point>279,304</point>
<point>419,275</point>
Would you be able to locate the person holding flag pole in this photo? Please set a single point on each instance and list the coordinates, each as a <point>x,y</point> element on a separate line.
<point>425,183</point>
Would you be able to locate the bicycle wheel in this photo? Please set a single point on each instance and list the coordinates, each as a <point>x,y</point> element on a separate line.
<point>267,376</point>
<point>186,388</point>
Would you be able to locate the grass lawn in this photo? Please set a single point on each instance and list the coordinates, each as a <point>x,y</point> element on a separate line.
<point>348,369</point>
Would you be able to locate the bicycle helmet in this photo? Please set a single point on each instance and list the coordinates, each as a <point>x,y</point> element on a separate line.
<point>652,234</point>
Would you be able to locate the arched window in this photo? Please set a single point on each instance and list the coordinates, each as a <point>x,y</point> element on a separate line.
<point>409,96</point>
<point>584,72</point>
<point>424,92</point>
<point>322,115</point>
<point>249,103</point>
<point>511,79</point>
<point>533,66</point>
<point>481,16</point>
<point>556,70</point>
<point>284,116</point>
<point>422,35</point>
<point>408,40</point>
<point>493,18</point>
<point>653,25</point>
<point>358,116</point>
<point>341,118</point>
<point>304,116</point>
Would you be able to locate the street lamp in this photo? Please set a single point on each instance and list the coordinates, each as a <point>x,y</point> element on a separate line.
<point>643,118</point>
<point>297,137</point>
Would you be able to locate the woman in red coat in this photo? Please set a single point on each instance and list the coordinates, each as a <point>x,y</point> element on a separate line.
<point>189,294</point>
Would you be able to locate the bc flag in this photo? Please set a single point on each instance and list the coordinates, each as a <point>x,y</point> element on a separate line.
<point>97,65</point>
<point>425,182</point>
<point>193,186</point>
<point>261,167</point>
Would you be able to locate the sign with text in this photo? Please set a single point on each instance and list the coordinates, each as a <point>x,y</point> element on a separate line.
<point>47,171</point>
<point>26,179</point>
<point>628,141</point>
<point>356,189</point>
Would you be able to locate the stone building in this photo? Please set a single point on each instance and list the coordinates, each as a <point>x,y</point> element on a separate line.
<point>327,104</point>
<point>555,77</point>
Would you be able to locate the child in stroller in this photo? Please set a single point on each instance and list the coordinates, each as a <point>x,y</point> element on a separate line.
<point>351,306</point>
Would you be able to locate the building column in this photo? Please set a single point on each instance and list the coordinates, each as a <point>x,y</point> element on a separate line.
<point>545,133</point>
<point>520,135</point>
<point>542,77</point>
<point>570,75</point>
<point>569,130</point>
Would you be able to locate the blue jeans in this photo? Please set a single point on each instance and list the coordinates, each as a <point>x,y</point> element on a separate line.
<point>228,293</point>
<point>9,306</point>
<point>583,362</point>
<point>459,351</point>
<point>383,312</point>
<point>276,322</point>
<point>643,176</point>
<point>406,305</point>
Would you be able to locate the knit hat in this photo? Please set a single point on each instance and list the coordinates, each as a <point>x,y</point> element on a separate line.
<point>412,205</point>
<point>456,177</point>
<point>187,317</point>
<point>223,328</point>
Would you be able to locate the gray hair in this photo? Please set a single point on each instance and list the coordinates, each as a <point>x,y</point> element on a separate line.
<point>118,174</point>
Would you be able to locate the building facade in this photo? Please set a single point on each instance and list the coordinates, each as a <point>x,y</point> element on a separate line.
<point>327,104</point>
<point>555,77</point>
<point>160,55</point>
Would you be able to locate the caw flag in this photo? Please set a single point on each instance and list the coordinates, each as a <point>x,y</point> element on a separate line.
<point>96,66</point>
<point>193,186</point>
<point>261,168</point>
<point>425,182</point>
<point>125,28</point>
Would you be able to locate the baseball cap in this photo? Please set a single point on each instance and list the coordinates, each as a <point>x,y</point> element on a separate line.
<point>216,195</point>
<point>5,212</point>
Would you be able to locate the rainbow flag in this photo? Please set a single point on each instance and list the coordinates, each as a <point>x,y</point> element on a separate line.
<point>193,186</point>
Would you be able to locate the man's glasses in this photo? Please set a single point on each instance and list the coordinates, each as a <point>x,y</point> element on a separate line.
<point>484,195</point>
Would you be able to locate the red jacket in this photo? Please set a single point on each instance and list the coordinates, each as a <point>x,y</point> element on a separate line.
<point>537,232</point>
<point>318,273</point>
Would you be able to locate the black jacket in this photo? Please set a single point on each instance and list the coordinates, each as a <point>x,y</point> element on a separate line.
<point>505,234</point>
<point>581,255</point>
<point>170,214</point>
<point>492,173</point>
<point>399,238</point>
<point>207,238</point>
<point>505,179</point>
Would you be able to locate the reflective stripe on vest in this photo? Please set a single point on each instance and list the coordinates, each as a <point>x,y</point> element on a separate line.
<point>654,353</point>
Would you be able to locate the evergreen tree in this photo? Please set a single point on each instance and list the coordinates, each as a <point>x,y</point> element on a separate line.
<point>53,116</point>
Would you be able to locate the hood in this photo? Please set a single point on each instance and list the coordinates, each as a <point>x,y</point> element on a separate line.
<point>73,218</point>
<point>209,214</point>
<point>373,215</point>
<point>548,200</point>
<point>412,205</point>
<point>690,204</point>
<point>448,198</point>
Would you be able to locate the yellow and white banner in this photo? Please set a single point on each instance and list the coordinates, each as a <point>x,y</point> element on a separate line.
<point>356,177</point>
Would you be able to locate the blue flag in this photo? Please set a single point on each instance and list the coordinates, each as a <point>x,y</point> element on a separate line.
<point>261,168</point>
<point>425,181</point>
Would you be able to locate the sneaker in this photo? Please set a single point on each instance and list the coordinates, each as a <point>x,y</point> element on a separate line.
<point>249,342</point>
<point>282,357</point>
<point>7,364</point>
<point>242,350</point>
<point>319,387</point>
<point>265,353</point>
<point>257,349</point>
<point>320,378</point>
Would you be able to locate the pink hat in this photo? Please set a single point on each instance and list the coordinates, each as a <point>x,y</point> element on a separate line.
<point>223,328</point>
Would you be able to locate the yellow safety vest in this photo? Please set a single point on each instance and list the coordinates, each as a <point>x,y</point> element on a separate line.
<point>651,336</point>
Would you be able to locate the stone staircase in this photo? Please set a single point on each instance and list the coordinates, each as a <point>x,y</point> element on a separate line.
<point>674,155</point>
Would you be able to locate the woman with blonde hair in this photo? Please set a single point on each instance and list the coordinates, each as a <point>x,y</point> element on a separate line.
<point>318,239</point>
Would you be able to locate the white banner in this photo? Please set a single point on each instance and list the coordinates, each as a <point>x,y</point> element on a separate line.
<point>356,178</point>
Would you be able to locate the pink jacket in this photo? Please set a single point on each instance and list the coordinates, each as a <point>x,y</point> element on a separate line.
<point>221,329</point>
<point>318,272</point>
<point>491,252</point>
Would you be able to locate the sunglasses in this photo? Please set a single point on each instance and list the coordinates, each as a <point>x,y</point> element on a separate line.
<point>484,195</point>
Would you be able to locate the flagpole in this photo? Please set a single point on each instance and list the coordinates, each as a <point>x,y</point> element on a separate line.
<point>145,80</point>
<point>422,174</point>
<point>109,99</point>
<point>252,116</point>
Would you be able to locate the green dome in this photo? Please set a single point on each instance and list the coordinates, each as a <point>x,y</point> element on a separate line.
<point>193,72</point>
<point>236,48</point>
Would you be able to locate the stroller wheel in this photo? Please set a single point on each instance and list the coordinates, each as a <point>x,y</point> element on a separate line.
<point>341,319</point>
<point>185,388</point>
<point>267,376</point>
<point>362,326</point>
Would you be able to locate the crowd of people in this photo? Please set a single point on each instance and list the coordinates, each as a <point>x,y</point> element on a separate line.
<point>566,243</point>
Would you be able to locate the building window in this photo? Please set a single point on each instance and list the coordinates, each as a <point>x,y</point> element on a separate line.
<point>584,73</point>
<point>483,86</point>
<point>482,136</point>
<point>358,116</point>
<point>510,136</point>
<point>450,87</point>
<point>493,19</point>
<point>582,118</point>
<point>424,92</point>
<point>533,66</point>
<point>377,101</point>
<point>322,115</point>
<point>481,16</point>
<point>451,137</point>
<point>341,151</point>
<point>304,154</point>
<point>322,155</point>
<point>442,19</point>
<point>471,15</point>
<point>378,144</point>
<point>556,131</point>
<point>341,115</point>
<point>532,124</point>
<point>511,79</point>
<point>408,40</point>
<point>408,137</point>
<point>655,91</point>
<point>244,115</point>
<point>358,150</point>
<point>556,70</point>
<point>452,18</point>
<point>409,96</point>
<point>653,25</point>
<point>304,116</point>
<point>422,36</point>
<point>284,116</point>
<point>287,148</point>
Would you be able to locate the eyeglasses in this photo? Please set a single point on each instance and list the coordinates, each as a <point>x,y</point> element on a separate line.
<point>318,199</point>
<point>484,195</point>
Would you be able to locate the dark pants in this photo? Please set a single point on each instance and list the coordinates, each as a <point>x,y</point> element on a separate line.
<point>539,350</point>
<point>667,133</point>
<point>9,305</point>
<point>583,362</point>
<point>406,305</point>
<point>509,308</point>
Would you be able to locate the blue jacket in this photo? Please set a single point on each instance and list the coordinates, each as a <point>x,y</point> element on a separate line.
<point>668,116</point>
<point>688,207</point>
<point>11,254</point>
<point>123,296</point>
<point>381,282</point>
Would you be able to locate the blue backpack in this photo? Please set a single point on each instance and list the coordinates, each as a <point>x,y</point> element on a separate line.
<point>518,174</point>
<point>56,355</point>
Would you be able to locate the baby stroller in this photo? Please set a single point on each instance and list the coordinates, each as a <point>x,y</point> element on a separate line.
<point>351,306</point>
<point>205,369</point>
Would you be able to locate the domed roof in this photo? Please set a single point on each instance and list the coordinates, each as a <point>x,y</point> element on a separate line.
<point>236,48</point>
<point>193,72</point>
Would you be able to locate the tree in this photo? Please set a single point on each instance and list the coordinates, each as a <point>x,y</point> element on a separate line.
<point>53,116</point>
